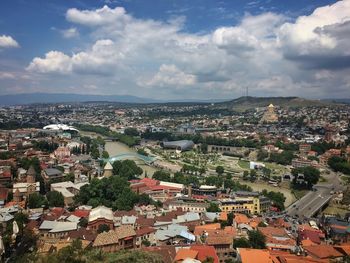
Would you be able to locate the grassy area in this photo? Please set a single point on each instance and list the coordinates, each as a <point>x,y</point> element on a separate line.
<point>300,193</point>
<point>243,164</point>
<point>334,210</point>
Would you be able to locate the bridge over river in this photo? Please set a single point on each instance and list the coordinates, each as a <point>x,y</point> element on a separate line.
<point>131,155</point>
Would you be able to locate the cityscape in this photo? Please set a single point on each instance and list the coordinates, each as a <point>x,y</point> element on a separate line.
<point>182,132</point>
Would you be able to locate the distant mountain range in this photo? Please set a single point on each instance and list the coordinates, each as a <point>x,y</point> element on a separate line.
<point>29,98</point>
<point>241,103</point>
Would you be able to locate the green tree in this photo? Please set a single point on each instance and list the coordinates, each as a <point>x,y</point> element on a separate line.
<point>241,243</point>
<point>213,207</point>
<point>162,176</point>
<point>220,170</point>
<point>55,199</point>
<point>83,222</point>
<point>257,239</point>
<point>105,155</point>
<point>103,228</point>
<point>311,176</point>
<point>36,200</point>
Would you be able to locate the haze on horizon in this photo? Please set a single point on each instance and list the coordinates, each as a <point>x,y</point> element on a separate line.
<point>176,49</point>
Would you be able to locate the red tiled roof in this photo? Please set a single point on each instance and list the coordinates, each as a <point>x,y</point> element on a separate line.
<point>311,235</point>
<point>249,255</point>
<point>184,253</point>
<point>205,252</point>
<point>81,213</point>
<point>144,231</point>
<point>323,251</point>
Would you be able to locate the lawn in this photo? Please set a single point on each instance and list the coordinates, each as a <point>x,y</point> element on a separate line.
<point>243,164</point>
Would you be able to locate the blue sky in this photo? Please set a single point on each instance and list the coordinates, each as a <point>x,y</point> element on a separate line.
<point>170,49</point>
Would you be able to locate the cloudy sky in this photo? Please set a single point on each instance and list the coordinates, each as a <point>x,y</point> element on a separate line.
<point>176,49</point>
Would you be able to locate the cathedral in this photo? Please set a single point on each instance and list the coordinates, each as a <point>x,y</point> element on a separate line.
<point>270,115</point>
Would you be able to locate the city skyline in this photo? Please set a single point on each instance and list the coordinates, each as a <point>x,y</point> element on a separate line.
<point>175,49</point>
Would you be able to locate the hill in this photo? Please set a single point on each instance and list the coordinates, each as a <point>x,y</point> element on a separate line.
<point>245,103</point>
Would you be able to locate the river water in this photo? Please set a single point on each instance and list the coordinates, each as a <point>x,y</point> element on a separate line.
<point>116,148</point>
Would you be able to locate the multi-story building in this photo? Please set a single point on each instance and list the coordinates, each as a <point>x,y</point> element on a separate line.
<point>245,202</point>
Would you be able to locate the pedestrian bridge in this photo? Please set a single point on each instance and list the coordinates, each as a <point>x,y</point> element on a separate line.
<point>126,156</point>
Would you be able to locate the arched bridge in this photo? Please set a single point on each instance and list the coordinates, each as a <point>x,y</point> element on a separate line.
<point>125,156</point>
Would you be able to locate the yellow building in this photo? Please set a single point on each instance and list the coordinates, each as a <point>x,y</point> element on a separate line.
<point>247,205</point>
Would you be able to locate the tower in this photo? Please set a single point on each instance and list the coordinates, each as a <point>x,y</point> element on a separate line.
<point>108,170</point>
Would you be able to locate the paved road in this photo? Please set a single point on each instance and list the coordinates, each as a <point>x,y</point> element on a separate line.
<point>313,201</point>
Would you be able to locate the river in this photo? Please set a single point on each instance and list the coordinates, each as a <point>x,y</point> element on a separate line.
<point>116,148</point>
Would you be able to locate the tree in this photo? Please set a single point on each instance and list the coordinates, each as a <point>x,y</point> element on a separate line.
<point>145,243</point>
<point>102,228</point>
<point>83,222</point>
<point>162,176</point>
<point>214,180</point>
<point>131,132</point>
<point>213,207</point>
<point>311,176</point>
<point>220,170</point>
<point>105,155</point>
<point>55,199</point>
<point>277,198</point>
<point>245,175</point>
<point>36,200</point>
<point>241,243</point>
<point>257,239</point>
<point>253,175</point>
<point>112,192</point>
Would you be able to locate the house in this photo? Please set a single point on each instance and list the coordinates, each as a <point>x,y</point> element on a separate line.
<point>145,234</point>
<point>323,252</point>
<point>68,190</point>
<point>100,215</point>
<point>123,237</point>
<point>56,229</point>
<point>51,173</point>
<point>278,239</point>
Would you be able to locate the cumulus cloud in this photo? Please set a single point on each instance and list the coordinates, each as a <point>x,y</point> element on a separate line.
<point>98,17</point>
<point>319,40</point>
<point>7,42</point>
<point>263,52</point>
<point>54,61</point>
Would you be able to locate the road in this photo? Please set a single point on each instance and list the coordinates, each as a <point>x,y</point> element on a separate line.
<point>313,201</point>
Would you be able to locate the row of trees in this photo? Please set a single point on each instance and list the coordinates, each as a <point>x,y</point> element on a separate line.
<point>51,199</point>
<point>339,164</point>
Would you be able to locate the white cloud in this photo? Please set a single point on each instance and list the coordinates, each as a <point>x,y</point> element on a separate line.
<point>7,42</point>
<point>170,75</point>
<point>260,52</point>
<point>98,17</point>
<point>319,40</point>
<point>70,32</point>
<point>54,61</point>
<point>7,75</point>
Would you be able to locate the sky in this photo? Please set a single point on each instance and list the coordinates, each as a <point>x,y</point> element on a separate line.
<point>176,49</point>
